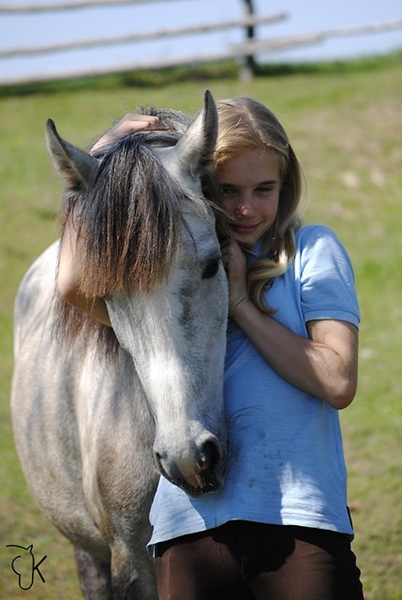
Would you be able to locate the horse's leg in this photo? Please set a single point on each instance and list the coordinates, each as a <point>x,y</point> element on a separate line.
<point>133,574</point>
<point>93,575</point>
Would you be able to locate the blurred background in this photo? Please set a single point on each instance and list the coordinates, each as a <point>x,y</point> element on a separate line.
<point>347,28</point>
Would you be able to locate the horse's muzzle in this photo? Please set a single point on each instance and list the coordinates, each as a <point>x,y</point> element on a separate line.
<point>202,473</point>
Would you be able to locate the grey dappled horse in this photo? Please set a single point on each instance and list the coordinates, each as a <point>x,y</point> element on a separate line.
<point>98,413</point>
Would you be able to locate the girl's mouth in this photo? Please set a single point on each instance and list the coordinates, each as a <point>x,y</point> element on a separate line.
<point>244,229</point>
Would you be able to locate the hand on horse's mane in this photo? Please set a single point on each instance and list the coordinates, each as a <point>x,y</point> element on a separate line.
<point>130,123</point>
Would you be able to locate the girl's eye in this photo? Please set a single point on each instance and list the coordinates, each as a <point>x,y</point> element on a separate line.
<point>228,191</point>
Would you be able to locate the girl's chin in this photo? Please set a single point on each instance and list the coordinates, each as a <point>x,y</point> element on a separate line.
<point>247,236</point>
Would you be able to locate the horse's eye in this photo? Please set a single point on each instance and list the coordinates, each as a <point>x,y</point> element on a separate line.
<point>211,268</point>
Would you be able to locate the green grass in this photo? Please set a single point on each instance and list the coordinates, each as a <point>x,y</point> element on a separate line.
<point>345,123</point>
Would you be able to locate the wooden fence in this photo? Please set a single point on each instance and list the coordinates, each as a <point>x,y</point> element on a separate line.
<point>246,50</point>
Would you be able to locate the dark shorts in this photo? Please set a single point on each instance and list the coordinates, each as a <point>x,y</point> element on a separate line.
<point>246,561</point>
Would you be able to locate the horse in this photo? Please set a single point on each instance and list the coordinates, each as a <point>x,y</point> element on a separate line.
<point>100,413</point>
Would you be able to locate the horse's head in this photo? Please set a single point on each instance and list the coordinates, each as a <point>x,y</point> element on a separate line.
<point>149,245</point>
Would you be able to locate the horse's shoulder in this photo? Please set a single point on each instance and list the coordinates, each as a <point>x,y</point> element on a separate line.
<point>35,293</point>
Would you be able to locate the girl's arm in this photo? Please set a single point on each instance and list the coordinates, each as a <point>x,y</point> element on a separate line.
<point>68,282</point>
<point>324,365</point>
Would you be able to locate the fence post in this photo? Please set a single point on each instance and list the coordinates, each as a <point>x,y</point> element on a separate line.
<point>248,69</point>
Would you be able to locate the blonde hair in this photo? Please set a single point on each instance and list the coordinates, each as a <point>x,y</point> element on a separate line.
<point>245,124</point>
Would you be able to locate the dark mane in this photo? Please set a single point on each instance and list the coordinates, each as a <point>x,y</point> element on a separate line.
<point>128,225</point>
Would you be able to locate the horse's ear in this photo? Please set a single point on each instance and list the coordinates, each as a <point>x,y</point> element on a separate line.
<point>77,168</point>
<point>195,148</point>
<point>193,153</point>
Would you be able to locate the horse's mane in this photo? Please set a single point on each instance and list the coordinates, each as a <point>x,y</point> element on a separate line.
<point>127,226</point>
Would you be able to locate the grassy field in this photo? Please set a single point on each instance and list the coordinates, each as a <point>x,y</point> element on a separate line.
<point>345,123</point>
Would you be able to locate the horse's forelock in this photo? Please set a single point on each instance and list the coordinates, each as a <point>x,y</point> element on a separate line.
<point>128,224</point>
<point>127,228</point>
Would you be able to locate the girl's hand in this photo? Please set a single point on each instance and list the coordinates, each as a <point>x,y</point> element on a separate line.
<point>235,263</point>
<point>130,123</point>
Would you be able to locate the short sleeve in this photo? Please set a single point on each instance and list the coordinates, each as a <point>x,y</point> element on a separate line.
<point>327,283</point>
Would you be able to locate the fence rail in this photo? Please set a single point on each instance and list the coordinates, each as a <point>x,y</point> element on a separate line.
<point>263,46</point>
<point>245,50</point>
<point>68,5</point>
<point>141,37</point>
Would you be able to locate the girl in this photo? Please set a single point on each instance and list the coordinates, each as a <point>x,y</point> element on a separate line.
<point>280,528</point>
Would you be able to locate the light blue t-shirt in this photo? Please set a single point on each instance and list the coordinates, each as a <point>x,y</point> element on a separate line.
<point>286,464</point>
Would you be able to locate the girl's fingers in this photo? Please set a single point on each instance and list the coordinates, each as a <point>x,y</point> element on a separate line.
<point>130,123</point>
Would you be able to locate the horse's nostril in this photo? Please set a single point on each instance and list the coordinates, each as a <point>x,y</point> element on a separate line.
<point>210,455</point>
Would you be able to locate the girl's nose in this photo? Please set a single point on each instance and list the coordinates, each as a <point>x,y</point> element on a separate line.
<point>244,208</point>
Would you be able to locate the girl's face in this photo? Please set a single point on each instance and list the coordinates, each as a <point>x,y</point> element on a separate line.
<point>251,184</point>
